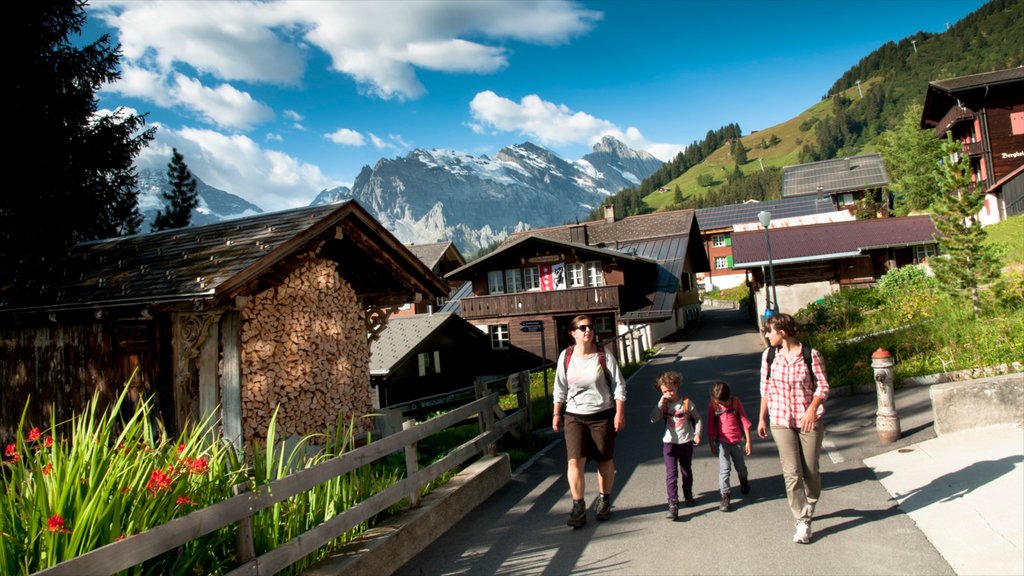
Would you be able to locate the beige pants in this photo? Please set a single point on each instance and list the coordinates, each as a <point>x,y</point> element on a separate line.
<point>798,452</point>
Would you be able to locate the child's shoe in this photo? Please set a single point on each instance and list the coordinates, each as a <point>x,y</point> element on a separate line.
<point>673,510</point>
<point>724,504</point>
<point>744,485</point>
<point>578,516</point>
<point>688,496</point>
<point>604,507</point>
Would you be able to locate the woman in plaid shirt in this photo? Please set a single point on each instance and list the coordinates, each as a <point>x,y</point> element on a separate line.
<point>795,402</point>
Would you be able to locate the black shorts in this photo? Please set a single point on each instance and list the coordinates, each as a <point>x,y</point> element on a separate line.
<point>593,439</point>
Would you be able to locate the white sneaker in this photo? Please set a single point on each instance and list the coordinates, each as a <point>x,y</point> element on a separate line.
<point>803,532</point>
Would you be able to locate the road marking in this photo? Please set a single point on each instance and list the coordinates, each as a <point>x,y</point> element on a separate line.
<point>833,453</point>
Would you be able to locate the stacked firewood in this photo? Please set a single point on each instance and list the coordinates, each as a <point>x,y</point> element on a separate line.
<point>305,352</point>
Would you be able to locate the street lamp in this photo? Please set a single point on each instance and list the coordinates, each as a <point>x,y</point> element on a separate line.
<point>765,218</point>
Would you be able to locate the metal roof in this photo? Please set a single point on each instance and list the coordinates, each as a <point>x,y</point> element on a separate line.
<point>728,216</point>
<point>835,176</point>
<point>658,297</point>
<point>830,241</point>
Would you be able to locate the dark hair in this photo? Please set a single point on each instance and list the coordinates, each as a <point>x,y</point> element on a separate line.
<point>782,323</point>
<point>668,379</point>
<point>720,392</point>
<point>576,322</point>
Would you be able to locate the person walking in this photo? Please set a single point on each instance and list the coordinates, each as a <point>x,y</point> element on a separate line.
<point>794,388</point>
<point>589,386</point>
<point>682,433</point>
<point>727,427</point>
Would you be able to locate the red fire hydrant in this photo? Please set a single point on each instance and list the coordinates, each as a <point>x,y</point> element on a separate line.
<point>888,422</point>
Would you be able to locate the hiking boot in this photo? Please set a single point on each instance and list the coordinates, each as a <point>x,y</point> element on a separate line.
<point>604,507</point>
<point>803,532</point>
<point>724,504</point>
<point>673,510</point>
<point>688,497</point>
<point>578,516</point>
<point>744,485</point>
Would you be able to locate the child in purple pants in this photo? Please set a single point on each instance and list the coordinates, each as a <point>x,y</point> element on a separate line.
<point>682,432</point>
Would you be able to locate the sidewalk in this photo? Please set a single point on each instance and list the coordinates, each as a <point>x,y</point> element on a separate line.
<point>965,491</point>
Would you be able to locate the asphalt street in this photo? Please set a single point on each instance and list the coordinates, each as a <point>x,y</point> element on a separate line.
<point>858,528</point>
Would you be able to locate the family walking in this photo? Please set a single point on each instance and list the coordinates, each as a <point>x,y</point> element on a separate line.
<point>589,401</point>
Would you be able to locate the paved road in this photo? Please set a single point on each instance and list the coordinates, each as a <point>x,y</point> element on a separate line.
<point>858,528</point>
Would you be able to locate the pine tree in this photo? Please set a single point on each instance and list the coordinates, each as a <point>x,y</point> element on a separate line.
<point>84,184</point>
<point>910,155</point>
<point>966,262</point>
<point>182,198</point>
<point>677,195</point>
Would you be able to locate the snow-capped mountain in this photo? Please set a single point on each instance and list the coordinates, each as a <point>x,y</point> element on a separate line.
<point>439,195</point>
<point>214,204</point>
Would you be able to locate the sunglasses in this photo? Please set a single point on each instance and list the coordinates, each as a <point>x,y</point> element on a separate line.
<point>584,327</point>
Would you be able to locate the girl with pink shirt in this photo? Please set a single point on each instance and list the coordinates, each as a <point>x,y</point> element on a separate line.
<point>727,427</point>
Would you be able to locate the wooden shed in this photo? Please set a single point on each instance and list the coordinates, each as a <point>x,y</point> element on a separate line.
<point>276,310</point>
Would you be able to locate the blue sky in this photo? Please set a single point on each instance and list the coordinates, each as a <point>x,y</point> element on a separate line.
<point>275,101</point>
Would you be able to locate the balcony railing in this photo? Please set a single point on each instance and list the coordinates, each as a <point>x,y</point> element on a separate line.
<point>972,148</point>
<point>572,300</point>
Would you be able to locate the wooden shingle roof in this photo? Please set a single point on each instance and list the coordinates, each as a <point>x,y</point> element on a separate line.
<point>835,176</point>
<point>218,261</point>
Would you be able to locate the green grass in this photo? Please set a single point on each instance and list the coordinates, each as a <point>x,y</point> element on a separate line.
<point>739,294</point>
<point>1009,234</point>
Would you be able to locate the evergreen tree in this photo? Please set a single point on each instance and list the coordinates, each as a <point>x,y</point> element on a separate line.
<point>910,155</point>
<point>739,152</point>
<point>81,163</point>
<point>967,262</point>
<point>182,198</point>
<point>677,195</point>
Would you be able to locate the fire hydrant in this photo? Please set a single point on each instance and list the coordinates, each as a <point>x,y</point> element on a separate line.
<point>888,422</point>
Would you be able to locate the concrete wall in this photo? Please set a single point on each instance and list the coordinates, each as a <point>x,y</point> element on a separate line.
<point>976,403</point>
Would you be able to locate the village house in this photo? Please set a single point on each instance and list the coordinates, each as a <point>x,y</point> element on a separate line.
<point>441,258</point>
<point>242,316</point>
<point>811,262</point>
<point>985,113</point>
<point>634,276</point>
<point>847,182</point>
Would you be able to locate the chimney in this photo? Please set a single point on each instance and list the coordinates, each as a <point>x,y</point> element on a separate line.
<point>609,213</point>
<point>578,234</point>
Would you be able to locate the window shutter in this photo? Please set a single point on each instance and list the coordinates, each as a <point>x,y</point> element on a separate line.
<point>728,242</point>
<point>729,261</point>
<point>437,361</point>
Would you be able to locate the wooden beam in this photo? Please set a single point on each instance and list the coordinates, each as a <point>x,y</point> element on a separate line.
<point>231,379</point>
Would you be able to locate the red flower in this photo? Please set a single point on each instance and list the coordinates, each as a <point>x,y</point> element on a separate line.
<point>11,451</point>
<point>158,481</point>
<point>56,524</point>
<point>47,469</point>
<point>183,501</point>
<point>181,448</point>
<point>34,434</point>
<point>48,441</point>
<point>195,465</point>
<point>119,538</point>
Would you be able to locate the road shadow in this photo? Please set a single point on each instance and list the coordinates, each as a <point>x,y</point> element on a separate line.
<point>957,484</point>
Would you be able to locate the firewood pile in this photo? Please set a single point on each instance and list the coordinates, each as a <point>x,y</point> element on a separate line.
<point>305,349</point>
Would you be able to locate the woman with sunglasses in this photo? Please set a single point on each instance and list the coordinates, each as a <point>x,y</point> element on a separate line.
<point>589,385</point>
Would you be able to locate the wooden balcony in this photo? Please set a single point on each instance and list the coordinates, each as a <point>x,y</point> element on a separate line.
<point>574,300</point>
<point>972,148</point>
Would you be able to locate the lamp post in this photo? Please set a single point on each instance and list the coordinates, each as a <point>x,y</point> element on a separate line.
<point>765,218</point>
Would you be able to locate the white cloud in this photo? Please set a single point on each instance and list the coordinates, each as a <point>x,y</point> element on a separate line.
<point>379,44</point>
<point>346,137</point>
<point>268,178</point>
<point>293,115</point>
<point>554,124</point>
<point>224,105</point>
<point>273,137</point>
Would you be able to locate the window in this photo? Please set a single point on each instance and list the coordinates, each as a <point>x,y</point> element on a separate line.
<point>603,324</point>
<point>513,280</point>
<point>576,275</point>
<point>925,251</point>
<point>429,362</point>
<point>495,283</point>
<point>721,262</point>
<point>594,275</point>
<point>531,278</point>
<point>720,240</point>
<point>499,336</point>
<point>685,284</point>
<point>846,199</point>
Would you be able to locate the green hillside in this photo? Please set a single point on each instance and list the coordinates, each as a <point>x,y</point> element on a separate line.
<point>846,122</point>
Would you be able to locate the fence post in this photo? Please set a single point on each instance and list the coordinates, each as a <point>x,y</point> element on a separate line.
<point>244,544</point>
<point>411,463</point>
<point>486,416</point>
<point>523,399</point>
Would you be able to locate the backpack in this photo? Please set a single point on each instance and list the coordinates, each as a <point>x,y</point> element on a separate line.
<point>805,349</point>
<point>600,358</point>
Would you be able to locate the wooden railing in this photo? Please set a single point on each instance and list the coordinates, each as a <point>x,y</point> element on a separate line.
<point>240,509</point>
<point>576,299</point>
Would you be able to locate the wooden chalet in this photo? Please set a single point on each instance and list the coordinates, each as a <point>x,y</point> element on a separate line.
<point>985,113</point>
<point>718,223</point>
<point>634,276</point>
<point>441,258</point>
<point>813,261</point>
<point>246,315</point>
<point>847,182</point>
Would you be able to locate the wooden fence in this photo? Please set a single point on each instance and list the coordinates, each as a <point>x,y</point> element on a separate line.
<point>240,509</point>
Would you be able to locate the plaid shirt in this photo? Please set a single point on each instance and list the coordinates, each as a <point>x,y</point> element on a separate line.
<point>789,391</point>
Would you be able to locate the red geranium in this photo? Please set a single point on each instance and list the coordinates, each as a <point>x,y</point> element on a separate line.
<point>56,524</point>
